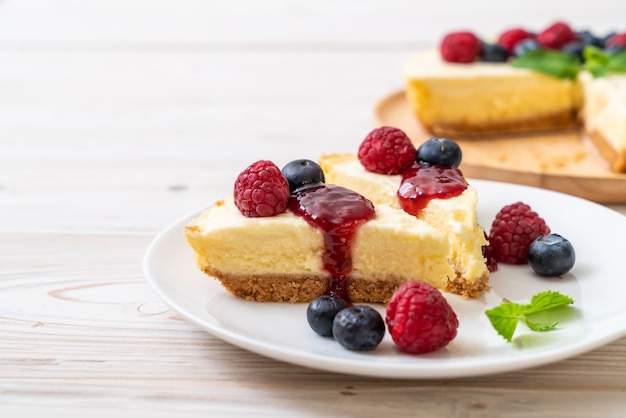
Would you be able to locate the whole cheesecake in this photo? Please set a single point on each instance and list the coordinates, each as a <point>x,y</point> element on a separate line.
<point>452,100</point>
<point>454,217</point>
<point>458,95</point>
<point>281,258</point>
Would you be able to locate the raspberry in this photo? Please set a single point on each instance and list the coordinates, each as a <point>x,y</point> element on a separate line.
<point>556,35</point>
<point>419,318</point>
<point>461,47</point>
<point>511,37</point>
<point>617,40</point>
<point>513,230</point>
<point>261,190</point>
<point>386,150</point>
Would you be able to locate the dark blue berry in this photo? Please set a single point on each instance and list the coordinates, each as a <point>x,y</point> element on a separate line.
<point>614,49</point>
<point>302,174</point>
<point>359,328</point>
<point>439,151</point>
<point>587,38</point>
<point>322,311</point>
<point>524,46</point>
<point>574,48</point>
<point>551,255</point>
<point>493,53</point>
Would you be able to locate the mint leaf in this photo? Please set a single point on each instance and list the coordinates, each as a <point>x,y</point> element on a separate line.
<point>505,317</point>
<point>600,64</point>
<point>552,63</point>
<point>548,326</point>
<point>596,61</point>
<point>548,300</point>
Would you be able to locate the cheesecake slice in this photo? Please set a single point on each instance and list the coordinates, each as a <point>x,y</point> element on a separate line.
<point>603,116</point>
<point>285,257</point>
<point>454,217</point>
<point>454,100</point>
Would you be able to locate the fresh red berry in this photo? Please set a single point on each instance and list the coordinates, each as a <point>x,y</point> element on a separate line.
<point>419,318</point>
<point>462,47</point>
<point>556,35</point>
<point>386,150</point>
<point>514,228</point>
<point>511,37</point>
<point>617,40</point>
<point>261,190</point>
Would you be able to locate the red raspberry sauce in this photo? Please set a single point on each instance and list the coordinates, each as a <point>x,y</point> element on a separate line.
<point>421,183</point>
<point>337,212</point>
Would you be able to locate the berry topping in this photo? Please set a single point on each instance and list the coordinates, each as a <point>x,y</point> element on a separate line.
<point>461,47</point>
<point>359,328</point>
<point>494,53</point>
<point>551,255</point>
<point>386,150</point>
<point>337,212</point>
<point>440,151</point>
<point>419,318</point>
<point>303,173</point>
<point>322,311</point>
<point>511,37</point>
<point>512,231</point>
<point>617,41</point>
<point>422,183</point>
<point>556,35</point>
<point>261,190</point>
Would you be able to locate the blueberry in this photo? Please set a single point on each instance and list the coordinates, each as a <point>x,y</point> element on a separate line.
<point>359,328</point>
<point>493,53</point>
<point>524,46</point>
<point>588,38</point>
<point>551,255</point>
<point>302,174</point>
<point>574,48</point>
<point>614,49</point>
<point>322,311</point>
<point>439,151</point>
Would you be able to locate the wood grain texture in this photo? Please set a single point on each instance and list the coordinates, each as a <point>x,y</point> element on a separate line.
<point>118,117</point>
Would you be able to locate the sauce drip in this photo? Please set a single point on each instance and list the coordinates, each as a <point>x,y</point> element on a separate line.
<point>422,183</point>
<point>337,212</point>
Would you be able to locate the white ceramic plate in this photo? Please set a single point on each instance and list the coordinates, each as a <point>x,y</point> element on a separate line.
<point>280,330</point>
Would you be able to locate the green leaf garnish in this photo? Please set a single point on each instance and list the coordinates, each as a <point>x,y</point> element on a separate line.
<point>505,317</point>
<point>552,63</point>
<point>599,63</point>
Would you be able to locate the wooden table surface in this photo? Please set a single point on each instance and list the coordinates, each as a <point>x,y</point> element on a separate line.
<point>117,117</point>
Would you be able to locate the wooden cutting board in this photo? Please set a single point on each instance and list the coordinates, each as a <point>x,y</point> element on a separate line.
<point>564,161</point>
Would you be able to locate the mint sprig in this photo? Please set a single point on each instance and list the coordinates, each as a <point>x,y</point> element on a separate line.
<point>505,317</point>
<point>552,63</point>
<point>599,63</point>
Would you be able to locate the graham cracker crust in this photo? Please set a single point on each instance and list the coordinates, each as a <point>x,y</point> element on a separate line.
<point>559,120</point>
<point>466,288</point>
<point>617,158</point>
<point>305,288</point>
